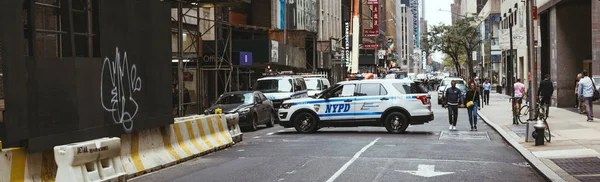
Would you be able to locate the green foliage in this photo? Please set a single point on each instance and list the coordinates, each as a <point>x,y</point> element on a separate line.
<point>456,40</point>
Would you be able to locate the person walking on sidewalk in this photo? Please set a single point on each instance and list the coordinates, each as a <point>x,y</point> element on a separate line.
<point>585,93</point>
<point>487,87</point>
<point>452,100</point>
<point>473,101</point>
<point>545,91</point>
<point>580,106</point>
<point>519,89</point>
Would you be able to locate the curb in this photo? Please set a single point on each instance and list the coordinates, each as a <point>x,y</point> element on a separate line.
<point>537,164</point>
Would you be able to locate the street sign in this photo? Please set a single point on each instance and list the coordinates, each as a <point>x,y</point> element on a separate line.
<point>371,33</point>
<point>370,46</point>
<point>425,171</point>
<point>372,1</point>
<point>246,58</point>
<point>381,54</point>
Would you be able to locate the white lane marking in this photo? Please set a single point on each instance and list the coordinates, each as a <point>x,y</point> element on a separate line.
<point>241,150</point>
<point>256,137</point>
<point>425,171</point>
<point>281,179</point>
<point>281,131</point>
<point>345,166</point>
<point>291,172</point>
<point>270,133</point>
<point>390,145</point>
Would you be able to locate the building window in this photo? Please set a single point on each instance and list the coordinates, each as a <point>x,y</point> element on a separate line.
<point>48,30</point>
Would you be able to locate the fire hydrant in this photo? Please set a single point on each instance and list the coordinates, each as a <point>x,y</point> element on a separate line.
<point>539,132</point>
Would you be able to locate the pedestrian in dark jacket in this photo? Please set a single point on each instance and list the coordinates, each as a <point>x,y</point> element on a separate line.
<point>453,99</point>
<point>545,91</point>
<point>473,95</point>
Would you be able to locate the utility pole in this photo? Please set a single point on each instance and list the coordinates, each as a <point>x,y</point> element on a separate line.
<point>355,35</point>
<point>509,62</point>
<point>532,63</point>
<point>285,30</point>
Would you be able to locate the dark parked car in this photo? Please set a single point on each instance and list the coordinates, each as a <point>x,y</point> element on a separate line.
<point>252,106</point>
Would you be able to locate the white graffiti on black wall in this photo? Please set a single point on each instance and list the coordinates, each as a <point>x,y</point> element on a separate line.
<point>124,82</point>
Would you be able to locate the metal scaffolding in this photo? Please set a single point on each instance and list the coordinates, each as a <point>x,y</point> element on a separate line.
<point>185,11</point>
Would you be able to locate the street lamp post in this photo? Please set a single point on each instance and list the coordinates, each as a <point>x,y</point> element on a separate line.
<point>509,62</point>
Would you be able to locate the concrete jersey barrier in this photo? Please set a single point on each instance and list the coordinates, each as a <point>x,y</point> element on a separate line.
<point>141,152</point>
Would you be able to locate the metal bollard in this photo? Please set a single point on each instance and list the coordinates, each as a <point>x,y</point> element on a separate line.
<point>538,134</point>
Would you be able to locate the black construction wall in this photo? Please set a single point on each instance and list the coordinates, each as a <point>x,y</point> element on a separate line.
<point>54,101</point>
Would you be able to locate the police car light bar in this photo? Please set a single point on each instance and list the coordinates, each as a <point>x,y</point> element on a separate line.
<point>308,75</point>
<point>278,74</point>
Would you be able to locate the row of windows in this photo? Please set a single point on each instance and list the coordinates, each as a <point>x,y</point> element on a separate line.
<point>376,89</point>
<point>48,30</point>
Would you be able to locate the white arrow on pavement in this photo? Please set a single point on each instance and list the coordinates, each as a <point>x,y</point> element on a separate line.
<point>425,171</point>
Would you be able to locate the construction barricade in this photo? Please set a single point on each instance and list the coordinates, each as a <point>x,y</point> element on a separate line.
<point>138,152</point>
<point>95,160</point>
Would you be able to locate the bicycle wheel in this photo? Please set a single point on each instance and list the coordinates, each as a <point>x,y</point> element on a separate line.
<point>542,113</point>
<point>547,134</point>
<point>524,114</point>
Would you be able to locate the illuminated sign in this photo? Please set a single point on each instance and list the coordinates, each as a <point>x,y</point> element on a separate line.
<point>346,55</point>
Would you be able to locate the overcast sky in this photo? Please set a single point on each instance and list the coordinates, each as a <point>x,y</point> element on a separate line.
<point>434,17</point>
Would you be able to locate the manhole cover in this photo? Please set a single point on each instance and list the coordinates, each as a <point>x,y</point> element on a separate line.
<point>579,166</point>
<point>464,135</point>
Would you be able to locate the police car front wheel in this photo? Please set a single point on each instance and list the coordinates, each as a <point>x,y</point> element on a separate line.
<point>396,122</point>
<point>305,123</point>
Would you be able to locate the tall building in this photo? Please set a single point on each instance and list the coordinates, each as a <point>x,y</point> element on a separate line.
<point>413,5</point>
<point>329,31</point>
<point>468,8</point>
<point>405,30</point>
<point>455,9</point>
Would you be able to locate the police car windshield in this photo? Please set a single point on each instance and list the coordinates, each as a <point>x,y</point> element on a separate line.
<point>247,98</point>
<point>274,85</point>
<point>313,84</point>
<point>447,82</point>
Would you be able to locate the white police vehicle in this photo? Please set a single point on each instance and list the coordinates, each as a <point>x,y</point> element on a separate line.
<point>316,83</point>
<point>393,103</point>
<point>279,87</point>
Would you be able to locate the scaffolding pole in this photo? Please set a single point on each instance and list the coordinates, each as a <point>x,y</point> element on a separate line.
<point>180,111</point>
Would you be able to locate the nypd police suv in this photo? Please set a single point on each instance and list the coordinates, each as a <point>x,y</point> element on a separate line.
<point>393,103</point>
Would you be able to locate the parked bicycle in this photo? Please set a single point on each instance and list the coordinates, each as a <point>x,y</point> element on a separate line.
<point>524,112</point>
<point>515,110</point>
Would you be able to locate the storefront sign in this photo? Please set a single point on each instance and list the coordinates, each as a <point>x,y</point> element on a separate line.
<point>372,1</point>
<point>346,54</point>
<point>245,58</point>
<point>369,46</point>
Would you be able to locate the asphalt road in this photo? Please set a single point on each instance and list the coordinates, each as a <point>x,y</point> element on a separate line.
<point>426,153</point>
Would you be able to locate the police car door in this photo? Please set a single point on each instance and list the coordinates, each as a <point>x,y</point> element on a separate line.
<point>339,106</point>
<point>370,101</point>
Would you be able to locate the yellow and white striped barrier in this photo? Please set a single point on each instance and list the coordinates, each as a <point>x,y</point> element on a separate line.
<point>18,165</point>
<point>94,160</point>
<point>146,151</point>
<point>234,127</point>
<point>141,152</point>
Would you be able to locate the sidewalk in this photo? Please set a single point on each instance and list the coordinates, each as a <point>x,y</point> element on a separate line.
<point>573,154</point>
